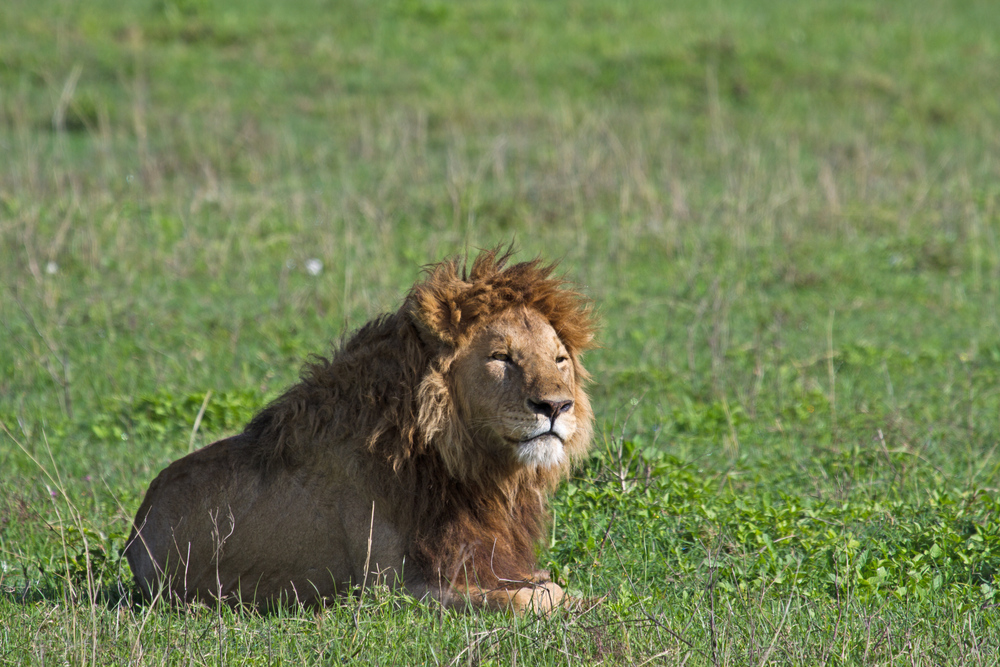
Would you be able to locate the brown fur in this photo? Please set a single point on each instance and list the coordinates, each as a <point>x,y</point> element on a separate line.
<point>382,462</point>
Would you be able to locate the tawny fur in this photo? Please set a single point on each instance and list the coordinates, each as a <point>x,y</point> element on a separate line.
<point>399,458</point>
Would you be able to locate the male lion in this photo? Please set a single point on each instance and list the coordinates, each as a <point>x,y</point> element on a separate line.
<point>420,454</point>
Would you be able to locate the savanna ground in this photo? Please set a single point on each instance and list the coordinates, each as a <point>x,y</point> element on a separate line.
<point>785,212</point>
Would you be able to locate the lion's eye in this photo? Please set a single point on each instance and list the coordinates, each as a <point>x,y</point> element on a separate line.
<point>500,356</point>
<point>561,358</point>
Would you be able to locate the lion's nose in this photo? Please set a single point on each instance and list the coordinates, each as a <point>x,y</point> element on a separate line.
<point>550,409</point>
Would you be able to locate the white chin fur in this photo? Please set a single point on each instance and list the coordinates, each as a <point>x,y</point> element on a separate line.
<point>542,452</point>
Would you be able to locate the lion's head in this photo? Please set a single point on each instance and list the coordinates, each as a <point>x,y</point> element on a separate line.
<point>506,386</point>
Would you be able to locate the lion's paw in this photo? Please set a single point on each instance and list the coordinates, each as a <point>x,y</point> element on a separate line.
<point>537,599</point>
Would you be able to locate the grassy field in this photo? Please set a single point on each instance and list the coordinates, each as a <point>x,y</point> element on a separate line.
<point>787,214</point>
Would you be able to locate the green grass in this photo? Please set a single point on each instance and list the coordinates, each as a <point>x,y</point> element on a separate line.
<point>785,212</point>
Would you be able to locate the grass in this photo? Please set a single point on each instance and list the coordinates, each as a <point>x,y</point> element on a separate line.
<point>786,213</point>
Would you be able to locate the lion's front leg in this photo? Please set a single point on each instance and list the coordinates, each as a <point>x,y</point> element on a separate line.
<point>538,595</point>
<point>535,595</point>
<point>541,596</point>
<point>537,598</point>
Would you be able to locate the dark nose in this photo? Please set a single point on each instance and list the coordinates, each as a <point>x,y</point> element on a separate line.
<point>550,409</point>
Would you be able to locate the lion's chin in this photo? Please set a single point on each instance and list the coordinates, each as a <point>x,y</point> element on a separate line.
<point>542,452</point>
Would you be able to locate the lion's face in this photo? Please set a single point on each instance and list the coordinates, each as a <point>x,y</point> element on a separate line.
<point>517,388</point>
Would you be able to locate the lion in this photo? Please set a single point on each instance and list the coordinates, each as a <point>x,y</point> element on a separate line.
<point>421,454</point>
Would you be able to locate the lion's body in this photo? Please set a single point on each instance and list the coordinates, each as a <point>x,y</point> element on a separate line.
<point>422,452</point>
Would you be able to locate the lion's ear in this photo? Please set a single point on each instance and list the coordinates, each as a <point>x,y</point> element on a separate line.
<point>438,320</point>
<point>437,305</point>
